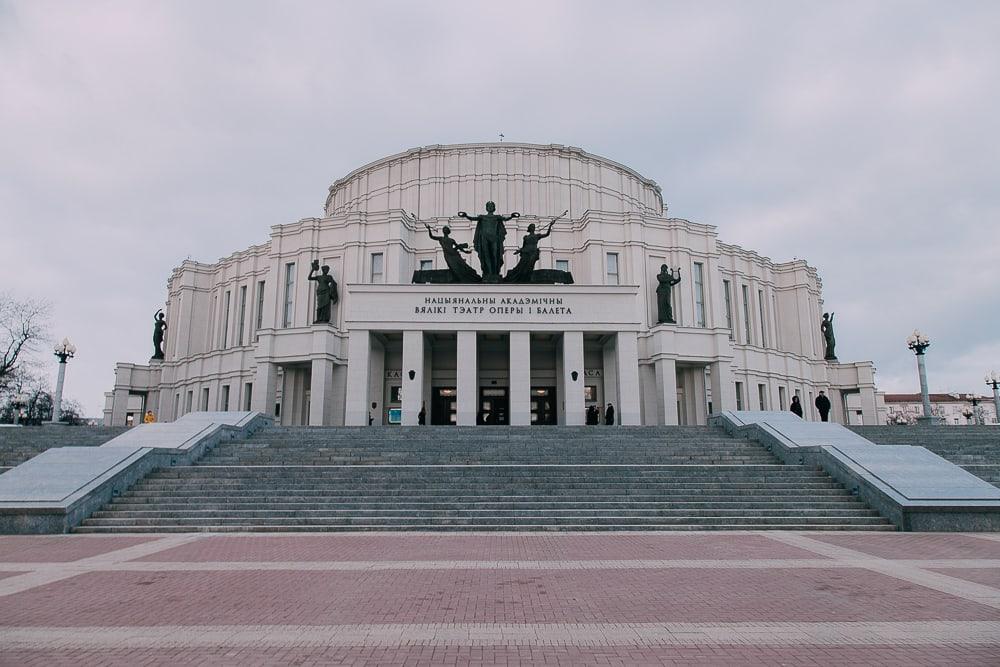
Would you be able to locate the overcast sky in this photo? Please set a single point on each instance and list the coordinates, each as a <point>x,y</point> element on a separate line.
<point>863,137</point>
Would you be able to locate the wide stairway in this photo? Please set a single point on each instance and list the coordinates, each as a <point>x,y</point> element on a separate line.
<point>17,445</point>
<point>975,448</point>
<point>486,478</point>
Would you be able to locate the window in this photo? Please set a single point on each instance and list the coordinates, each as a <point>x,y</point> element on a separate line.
<point>612,268</point>
<point>286,318</point>
<point>762,396</point>
<point>562,265</point>
<point>426,264</point>
<point>243,313</point>
<point>377,268</point>
<point>224,401</point>
<point>746,314</point>
<point>260,305</point>
<point>727,289</point>
<point>739,395</point>
<point>177,405</point>
<point>763,319</point>
<point>699,294</point>
<point>247,396</point>
<point>204,399</point>
<point>226,299</point>
<point>781,399</point>
<point>190,401</point>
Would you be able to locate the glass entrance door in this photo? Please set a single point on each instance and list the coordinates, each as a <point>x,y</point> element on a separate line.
<point>543,406</point>
<point>494,405</point>
<point>444,406</point>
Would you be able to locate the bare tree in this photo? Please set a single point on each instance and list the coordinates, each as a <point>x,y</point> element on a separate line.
<point>23,326</point>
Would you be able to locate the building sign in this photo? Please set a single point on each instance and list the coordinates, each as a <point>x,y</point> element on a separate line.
<point>482,305</point>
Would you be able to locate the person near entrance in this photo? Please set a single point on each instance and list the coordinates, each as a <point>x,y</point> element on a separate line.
<point>592,416</point>
<point>422,415</point>
<point>609,415</point>
<point>823,405</point>
<point>796,406</point>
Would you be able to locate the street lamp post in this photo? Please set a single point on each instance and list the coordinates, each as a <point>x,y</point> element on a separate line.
<point>993,380</point>
<point>63,351</point>
<point>919,343</point>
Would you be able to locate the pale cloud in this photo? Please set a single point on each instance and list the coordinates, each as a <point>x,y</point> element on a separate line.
<point>863,137</point>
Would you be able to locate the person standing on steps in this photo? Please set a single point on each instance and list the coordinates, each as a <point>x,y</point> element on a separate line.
<point>796,407</point>
<point>609,415</point>
<point>422,415</point>
<point>823,405</point>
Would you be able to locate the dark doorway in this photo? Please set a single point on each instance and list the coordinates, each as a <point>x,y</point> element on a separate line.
<point>543,406</point>
<point>444,406</point>
<point>494,404</point>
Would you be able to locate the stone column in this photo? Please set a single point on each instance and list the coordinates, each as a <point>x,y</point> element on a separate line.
<point>119,407</point>
<point>467,378</point>
<point>321,393</point>
<point>338,400</point>
<point>609,373</point>
<point>413,361</point>
<point>265,388</point>
<point>572,355</point>
<point>723,387</point>
<point>358,377</point>
<point>627,366</point>
<point>520,378</point>
<point>666,392</point>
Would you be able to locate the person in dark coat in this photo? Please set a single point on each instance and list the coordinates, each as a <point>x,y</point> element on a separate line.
<point>796,406</point>
<point>609,415</point>
<point>823,405</point>
<point>592,416</point>
<point>422,415</point>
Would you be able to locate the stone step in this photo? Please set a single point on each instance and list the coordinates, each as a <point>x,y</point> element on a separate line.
<point>264,528</point>
<point>129,505</point>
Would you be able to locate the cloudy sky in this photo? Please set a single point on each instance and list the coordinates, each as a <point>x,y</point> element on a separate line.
<point>863,137</point>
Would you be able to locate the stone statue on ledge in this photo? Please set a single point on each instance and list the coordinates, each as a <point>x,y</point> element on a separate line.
<point>159,333</point>
<point>457,267</point>
<point>529,254</point>
<point>830,342</point>
<point>326,292</point>
<point>667,279</point>
<point>488,240</point>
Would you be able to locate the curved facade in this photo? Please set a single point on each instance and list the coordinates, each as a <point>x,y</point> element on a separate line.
<point>242,334</point>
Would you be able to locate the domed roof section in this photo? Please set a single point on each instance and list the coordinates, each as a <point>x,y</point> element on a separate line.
<point>544,180</point>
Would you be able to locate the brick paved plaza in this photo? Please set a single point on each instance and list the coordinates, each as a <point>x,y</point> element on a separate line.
<point>512,598</point>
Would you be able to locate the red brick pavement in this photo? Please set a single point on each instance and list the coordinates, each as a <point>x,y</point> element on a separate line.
<point>481,596</point>
<point>451,546</point>
<point>979,575</point>
<point>915,545</point>
<point>62,548</point>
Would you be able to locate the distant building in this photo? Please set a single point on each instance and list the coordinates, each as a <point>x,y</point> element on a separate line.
<point>953,409</point>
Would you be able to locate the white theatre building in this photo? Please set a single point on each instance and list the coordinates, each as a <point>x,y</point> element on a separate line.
<point>242,335</point>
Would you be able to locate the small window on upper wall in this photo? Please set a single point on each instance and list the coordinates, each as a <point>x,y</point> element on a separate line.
<point>562,265</point>
<point>613,268</point>
<point>426,264</point>
<point>377,268</point>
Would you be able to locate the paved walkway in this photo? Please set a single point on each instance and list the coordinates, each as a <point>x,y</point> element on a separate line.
<point>762,598</point>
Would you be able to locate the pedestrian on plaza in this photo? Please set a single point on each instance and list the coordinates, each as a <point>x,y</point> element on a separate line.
<point>796,406</point>
<point>609,415</point>
<point>823,405</point>
<point>150,418</point>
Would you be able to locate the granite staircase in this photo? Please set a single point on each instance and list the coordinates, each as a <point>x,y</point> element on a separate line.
<point>486,478</point>
<point>974,448</point>
<point>17,445</point>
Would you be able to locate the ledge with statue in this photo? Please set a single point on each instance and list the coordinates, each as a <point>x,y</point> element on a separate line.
<point>488,242</point>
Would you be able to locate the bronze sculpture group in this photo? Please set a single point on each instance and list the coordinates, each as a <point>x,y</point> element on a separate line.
<point>488,243</point>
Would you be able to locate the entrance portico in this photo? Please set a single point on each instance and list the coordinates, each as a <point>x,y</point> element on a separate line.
<point>503,369</point>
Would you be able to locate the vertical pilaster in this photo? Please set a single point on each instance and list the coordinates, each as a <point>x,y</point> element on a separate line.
<point>119,407</point>
<point>666,392</point>
<point>520,378</point>
<point>572,353</point>
<point>321,393</point>
<point>723,386</point>
<point>358,377</point>
<point>627,366</point>
<point>265,388</point>
<point>467,377</point>
<point>338,400</point>
<point>609,373</point>
<point>413,362</point>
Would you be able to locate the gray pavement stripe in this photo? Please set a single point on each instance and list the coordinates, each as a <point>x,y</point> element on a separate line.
<point>993,537</point>
<point>967,590</point>
<point>920,633</point>
<point>755,564</point>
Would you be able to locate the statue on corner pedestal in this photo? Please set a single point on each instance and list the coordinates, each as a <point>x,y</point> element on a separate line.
<point>488,240</point>
<point>326,292</point>
<point>829,341</point>
<point>667,279</point>
<point>529,254</point>
<point>159,333</point>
